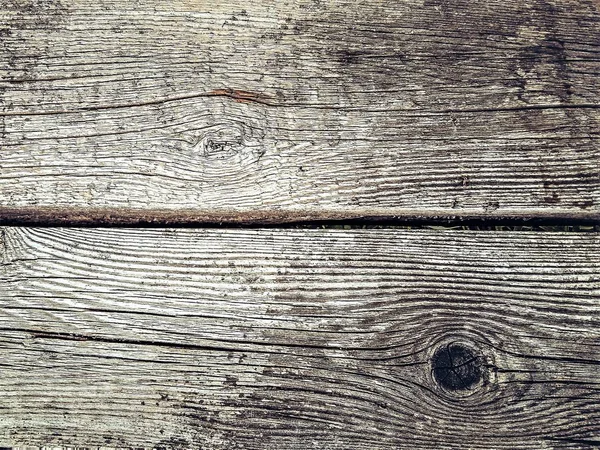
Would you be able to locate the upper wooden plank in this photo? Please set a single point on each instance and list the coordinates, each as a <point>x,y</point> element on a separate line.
<point>299,339</point>
<point>281,110</point>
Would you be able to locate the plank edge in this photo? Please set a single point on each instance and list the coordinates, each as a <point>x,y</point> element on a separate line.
<point>56,216</point>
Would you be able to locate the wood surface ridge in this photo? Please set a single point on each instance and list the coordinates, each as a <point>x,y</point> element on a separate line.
<point>44,216</point>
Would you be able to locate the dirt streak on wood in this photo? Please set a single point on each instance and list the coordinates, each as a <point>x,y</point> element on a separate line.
<point>271,339</point>
<point>445,108</point>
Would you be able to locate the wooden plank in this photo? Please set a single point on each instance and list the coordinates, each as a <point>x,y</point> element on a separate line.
<point>270,111</point>
<point>300,339</point>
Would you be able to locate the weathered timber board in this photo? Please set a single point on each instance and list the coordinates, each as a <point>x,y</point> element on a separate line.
<point>267,111</point>
<point>298,339</point>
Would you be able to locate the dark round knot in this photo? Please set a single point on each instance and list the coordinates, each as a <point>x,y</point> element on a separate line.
<point>456,367</point>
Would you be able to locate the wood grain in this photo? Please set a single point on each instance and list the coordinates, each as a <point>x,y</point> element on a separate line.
<point>299,339</point>
<point>238,110</point>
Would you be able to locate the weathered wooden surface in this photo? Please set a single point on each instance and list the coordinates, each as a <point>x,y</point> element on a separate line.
<point>285,110</point>
<point>298,339</point>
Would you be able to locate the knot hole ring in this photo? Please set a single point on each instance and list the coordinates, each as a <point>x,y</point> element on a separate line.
<point>458,367</point>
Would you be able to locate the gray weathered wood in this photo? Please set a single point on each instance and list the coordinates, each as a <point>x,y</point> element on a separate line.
<point>297,339</point>
<point>284,110</point>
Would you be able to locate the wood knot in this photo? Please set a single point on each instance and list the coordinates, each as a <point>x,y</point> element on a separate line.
<point>233,142</point>
<point>220,143</point>
<point>457,367</point>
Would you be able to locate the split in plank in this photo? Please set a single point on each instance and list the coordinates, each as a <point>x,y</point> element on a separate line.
<point>270,339</point>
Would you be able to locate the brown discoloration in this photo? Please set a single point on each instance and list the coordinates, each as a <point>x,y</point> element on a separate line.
<point>242,96</point>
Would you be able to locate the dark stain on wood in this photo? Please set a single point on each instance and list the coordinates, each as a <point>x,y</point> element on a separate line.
<point>457,367</point>
<point>552,199</point>
<point>586,204</point>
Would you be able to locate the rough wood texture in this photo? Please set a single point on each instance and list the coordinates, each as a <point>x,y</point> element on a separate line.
<point>299,109</point>
<point>299,339</point>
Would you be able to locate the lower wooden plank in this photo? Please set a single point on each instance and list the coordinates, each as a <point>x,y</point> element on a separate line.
<point>299,339</point>
<point>272,111</point>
